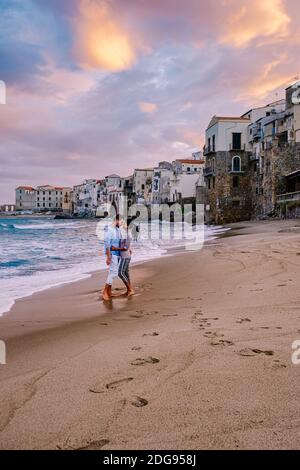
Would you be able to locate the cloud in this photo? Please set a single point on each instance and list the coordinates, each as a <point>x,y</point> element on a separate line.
<point>100,39</point>
<point>246,21</point>
<point>97,86</point>
<point>147,108</point>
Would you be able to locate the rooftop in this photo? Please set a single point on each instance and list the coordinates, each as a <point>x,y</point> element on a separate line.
<point>191,161</point>
<point>29,188</point>
<point>216,119</point>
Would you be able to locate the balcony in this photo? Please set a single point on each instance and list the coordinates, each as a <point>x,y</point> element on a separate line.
<point>253,157</point>
<point>208,171</point>
<point>208,150</point>
<point>287,197</point>
<point>233,148</point>
<point>256,133</point>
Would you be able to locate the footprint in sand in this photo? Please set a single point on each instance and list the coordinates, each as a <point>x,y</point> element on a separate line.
<point>140,361</point>
<point>104,324</point>
<point>254,352</point>
<point>135,316</point>
<point>151,334</point>
<point>100,388</point>
<point>278,365</point>
<point>139,402</point>
<point>94,445</point>
<point>171,315</point>
<point>136,348</point>
<point>242,320</point>
<point>222,342</point>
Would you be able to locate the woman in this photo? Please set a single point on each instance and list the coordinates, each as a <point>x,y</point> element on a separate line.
<point>125,258</point>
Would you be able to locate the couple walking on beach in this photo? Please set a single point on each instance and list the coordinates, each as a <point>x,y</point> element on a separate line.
<point>117,246</point>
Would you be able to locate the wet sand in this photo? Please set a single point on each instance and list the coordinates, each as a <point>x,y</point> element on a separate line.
<point>199,358</point>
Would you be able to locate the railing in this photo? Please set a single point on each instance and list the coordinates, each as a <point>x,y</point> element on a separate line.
<point>208,171</point>
<point>286,197</point>
<point>233,149</point>
<point>209,149</point>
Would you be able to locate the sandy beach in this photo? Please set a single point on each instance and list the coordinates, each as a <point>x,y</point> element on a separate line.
<point>199,358</point>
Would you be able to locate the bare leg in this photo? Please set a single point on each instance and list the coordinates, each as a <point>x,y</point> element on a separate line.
<point>106,294</point>
<point>130,290</point>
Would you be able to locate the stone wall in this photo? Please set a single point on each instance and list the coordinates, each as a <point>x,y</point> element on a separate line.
<point>228,203</point>
<point>278,162</point>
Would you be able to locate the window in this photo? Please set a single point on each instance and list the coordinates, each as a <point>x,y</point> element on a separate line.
<point>209,183</point>
<point>236,164</point>
<point>208,144</point>
<point>213,143</point>
<point>143,187</point>
<point>236,141</point>
<point>188,169</point>
<point>195,169</point>
<point>38,204</point>
<point>50,204</point>
<point>43,204</point>
<point>235,182</point>
<point>214,182</point>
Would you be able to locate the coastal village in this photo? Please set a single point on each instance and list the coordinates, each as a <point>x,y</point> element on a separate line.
<point>249,169</point>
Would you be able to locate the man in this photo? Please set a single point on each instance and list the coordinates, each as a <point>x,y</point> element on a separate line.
<point>112,252</point>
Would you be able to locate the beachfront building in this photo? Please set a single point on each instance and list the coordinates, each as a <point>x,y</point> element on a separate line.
<point>142,185</point>
<point>25,198</point>
<point>128,189</point>
<point>187,176</point>
<point>275,156</point>
<point>53,198</point>
<point>7,208</point>
<point>252,162</point>
<point>88,196</point>
<point>177,181</point>
<point>161,183</point>
<point>227,171</point>
<point>115,189</point>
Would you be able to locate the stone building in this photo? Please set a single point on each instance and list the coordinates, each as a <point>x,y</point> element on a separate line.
<point>227,170</point>
<point>275,157</point>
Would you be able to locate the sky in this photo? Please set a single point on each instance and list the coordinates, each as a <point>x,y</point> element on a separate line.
<point>95,87</point>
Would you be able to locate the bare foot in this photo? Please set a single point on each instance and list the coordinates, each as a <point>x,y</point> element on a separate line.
<point>105,296</point>
<point>130,293</point>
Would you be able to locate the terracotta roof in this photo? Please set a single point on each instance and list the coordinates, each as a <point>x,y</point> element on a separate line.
<point>194,162</point>
<point>29,188</point>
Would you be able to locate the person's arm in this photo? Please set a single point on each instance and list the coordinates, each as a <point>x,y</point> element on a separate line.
<point>108,256</point>
<point>107,248</point>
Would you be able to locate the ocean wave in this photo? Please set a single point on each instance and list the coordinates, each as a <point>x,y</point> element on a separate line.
<point>14,263</point>
<point>44,226</point>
